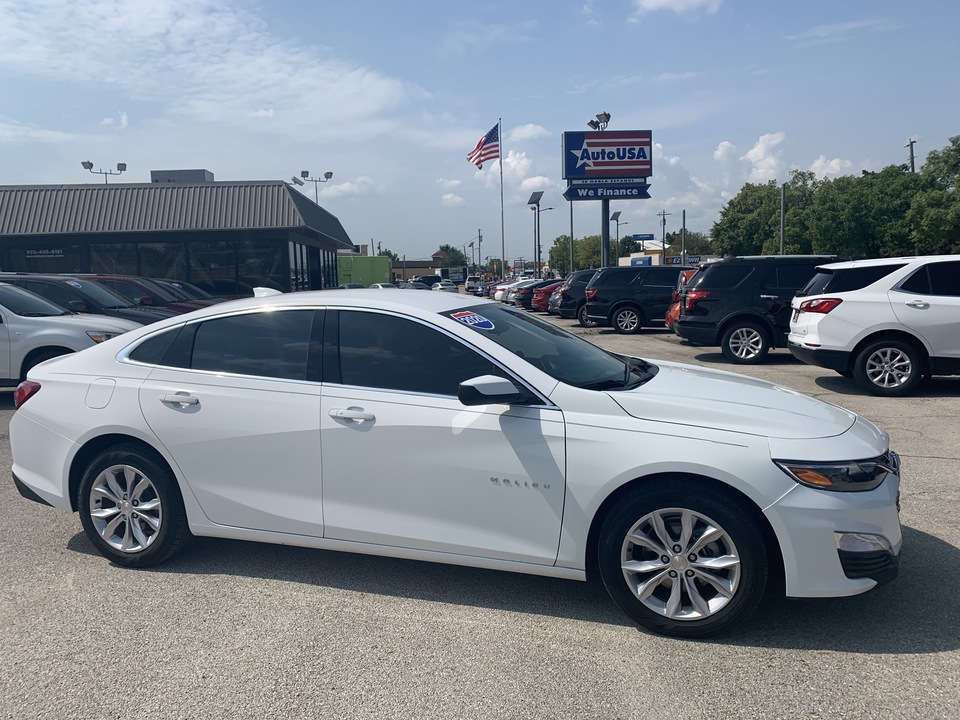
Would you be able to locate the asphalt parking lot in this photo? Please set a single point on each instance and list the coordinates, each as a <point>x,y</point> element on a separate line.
<point>244,630</point>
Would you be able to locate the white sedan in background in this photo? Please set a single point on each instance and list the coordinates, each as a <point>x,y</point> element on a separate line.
<point>511,445</point>
<point>446,286</point>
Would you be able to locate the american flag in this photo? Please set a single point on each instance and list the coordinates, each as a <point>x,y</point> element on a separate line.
<point>488,148</point>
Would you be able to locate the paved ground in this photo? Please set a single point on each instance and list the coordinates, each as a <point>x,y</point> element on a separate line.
<point>241,630</point>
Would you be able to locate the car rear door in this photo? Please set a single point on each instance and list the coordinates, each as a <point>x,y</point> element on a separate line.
<point>778,289</point>
<point>928,302</point>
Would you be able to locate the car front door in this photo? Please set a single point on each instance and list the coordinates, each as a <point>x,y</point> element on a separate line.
<point>405,464</point>
<point>236,404</point>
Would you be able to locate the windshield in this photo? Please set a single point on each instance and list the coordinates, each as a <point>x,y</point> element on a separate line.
<point>98,293</point>
<point>27,304</point>
<point>560,354</point>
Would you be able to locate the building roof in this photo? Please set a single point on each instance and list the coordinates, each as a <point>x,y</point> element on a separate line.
<point>30,210</point>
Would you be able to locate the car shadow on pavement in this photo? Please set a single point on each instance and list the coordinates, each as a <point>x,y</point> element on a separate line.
<point>932,387</point>
<point>773,359</point>
<point>914,614</point>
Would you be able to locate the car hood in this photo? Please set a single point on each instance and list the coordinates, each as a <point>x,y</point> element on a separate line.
<point>689,395</point>
<point>84,321</point>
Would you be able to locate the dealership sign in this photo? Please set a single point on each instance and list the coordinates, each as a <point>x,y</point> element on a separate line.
<point>613,191</point>
<point>607,155</point>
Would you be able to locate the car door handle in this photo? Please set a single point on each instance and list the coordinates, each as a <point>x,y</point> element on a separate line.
<point>179,399</point>
<point>351,414</point>
<point>922,305</point>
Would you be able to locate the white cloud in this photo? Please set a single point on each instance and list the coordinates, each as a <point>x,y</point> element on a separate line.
<point>538,182</point>
<point>677,6</point>
<point>448,184</point>
<point>764,159</point>
<point>120,123</point>
<point>452,200</point>
<point>362,187</point>
<point>263,113</point>
<point>14,132</point>
<point>821,167</point>
<point>530,131</point>
<point>837,32</point>
<point>472,35</point>
<point>725,151</point>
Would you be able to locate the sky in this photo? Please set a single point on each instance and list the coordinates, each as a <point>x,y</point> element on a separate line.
<point>391,96</point>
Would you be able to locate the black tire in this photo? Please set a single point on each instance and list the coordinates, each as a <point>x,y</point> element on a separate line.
<point>701,610</point>
<point>583,319</point>
<point>889,368</point>
<point>745,343</point>
<point>114,486</point>
<point>34,360</point>
<point>627,320</point>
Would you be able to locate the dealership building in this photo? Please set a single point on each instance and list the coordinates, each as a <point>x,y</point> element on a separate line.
<point>226,237</point>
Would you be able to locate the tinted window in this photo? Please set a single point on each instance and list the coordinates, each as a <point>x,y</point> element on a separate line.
<point>394,353</point>
<point>267,344</point>
<point>582,278</point>
<point>661,277</point>
<point>152,350</point>
<point>720,276</point>
<point>790,277</point>
<point>612,277</point>
<point>846,279</point>
<point>945,278</point>
<point>53,293</point>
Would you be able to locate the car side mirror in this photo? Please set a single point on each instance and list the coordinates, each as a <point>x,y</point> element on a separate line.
<point>489,390</point>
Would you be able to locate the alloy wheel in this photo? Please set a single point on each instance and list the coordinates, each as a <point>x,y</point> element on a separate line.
<point>125,509</point>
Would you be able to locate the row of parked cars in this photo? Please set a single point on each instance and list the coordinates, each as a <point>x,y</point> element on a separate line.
<point>44,316</point>
<point>888,323</point>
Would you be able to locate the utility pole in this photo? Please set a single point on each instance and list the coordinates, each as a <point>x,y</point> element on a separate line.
<point>910,143</point>
<point>663,236</point>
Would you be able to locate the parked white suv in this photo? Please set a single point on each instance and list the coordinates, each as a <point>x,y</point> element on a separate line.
<point>887,322</point>
<point>33,329</point>
<point>472,283</point>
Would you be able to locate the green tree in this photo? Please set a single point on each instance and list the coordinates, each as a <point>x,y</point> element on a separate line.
<point>749,221</point>
<point>696,243</point>
<point>390,254</point>
<point>559,255</point>
<point>586,252</point>
<point>943,166</point>
<point>452,257</point>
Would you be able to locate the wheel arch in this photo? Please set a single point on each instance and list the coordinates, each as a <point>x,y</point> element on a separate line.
<point>45,352</point>
<point>749,317</point>
<point>101,444</point>
<point>775,564</point>
<point>891,334</point>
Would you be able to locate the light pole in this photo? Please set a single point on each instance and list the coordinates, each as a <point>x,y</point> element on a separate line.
<point>305,174</point>
<point>87,165</point>
<point>600,123</point>
<point>616,248</point>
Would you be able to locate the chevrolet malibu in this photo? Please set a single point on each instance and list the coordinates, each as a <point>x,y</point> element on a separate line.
<point>296,419</point>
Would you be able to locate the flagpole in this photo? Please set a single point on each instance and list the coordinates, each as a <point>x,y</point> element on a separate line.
<point>503,242</point>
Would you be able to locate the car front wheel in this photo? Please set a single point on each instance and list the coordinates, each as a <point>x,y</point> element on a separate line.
<point>745,343</point>
<point>131,508</point>
<point>627,320</point>
<point>683,559</point>
<point>888,368</point>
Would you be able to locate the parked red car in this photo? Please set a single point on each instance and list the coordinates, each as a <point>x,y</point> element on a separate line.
<point>673,312</point>
<point>141,291</point>
<point>541,296</point>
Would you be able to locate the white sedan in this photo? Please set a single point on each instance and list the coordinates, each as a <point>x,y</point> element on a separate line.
<point>446,286</point>
<point>452,429</point>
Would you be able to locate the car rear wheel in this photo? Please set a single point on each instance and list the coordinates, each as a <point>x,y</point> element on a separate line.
<point>627,320</point>
<point>683,559</point>
<point>888,368</point>
<point>583,319</point>
<point>131,508</point>
<point>745,343</point>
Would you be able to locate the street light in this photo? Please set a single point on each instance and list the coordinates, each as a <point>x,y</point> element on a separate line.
<point>616,248</point>
<point>87,165</point>
<point>534,203</point>
<point>305,174</point>
<point>601,122</point>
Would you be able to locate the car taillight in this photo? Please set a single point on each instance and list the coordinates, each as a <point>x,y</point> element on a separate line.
<point>563,289</point>
<point>691,298</point>
<point>591,292</point>
<point>524,291</point>
<point>25,390</point>
<point>819,305</point>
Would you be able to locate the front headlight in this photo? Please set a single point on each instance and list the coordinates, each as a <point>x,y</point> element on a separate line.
<point>99,337</point>
<point>853,476</point>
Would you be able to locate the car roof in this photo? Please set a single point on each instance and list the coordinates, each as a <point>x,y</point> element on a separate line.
<point>872,262</point>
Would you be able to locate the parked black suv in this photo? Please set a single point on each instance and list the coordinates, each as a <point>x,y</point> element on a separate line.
<point>573,299</point>
<point>630,298</point>
<point>85,296</point>
<point>742,304</point>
